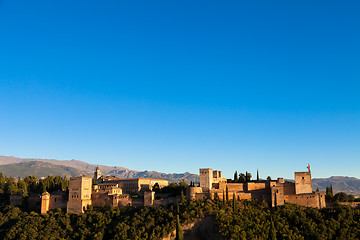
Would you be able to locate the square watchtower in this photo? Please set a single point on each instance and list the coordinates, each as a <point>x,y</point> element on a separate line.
<point>79,194</point>
<point>303,182</point>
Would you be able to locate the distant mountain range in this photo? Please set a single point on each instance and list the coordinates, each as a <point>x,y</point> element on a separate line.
<point>22,167</point>
<point>349,185</point>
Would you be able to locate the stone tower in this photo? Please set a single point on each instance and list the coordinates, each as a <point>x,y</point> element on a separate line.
<point>79,194</point>
<point>303,182</point>
<point>206,178</point>
<point>97,173</point>
<point>45,202</point>
<point>149,197</point>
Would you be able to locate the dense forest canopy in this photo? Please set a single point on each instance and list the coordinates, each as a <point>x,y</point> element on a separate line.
<point>233,219</point>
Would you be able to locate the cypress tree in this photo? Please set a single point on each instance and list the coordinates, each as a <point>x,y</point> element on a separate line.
<point>182,197</point>
<point>234,203</point>
<point>257,175</point>
<point>235,176</point>
<point>227,194</point>
<point>223,198</point>
<point>179,232</point>
<point>331,190</point>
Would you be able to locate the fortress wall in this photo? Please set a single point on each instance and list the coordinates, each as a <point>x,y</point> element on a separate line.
<point>58,200</point>
<point>192,191</point>
<point>289,188</point>
<point>277,196</point>
<point>238,187</point>
<point>199,196</point>
<point>243,196</point>
<point>315,200</point>
<point>239,195</point>
<point>255,186</point>
<point>97,198</point>
<point>34,202</point>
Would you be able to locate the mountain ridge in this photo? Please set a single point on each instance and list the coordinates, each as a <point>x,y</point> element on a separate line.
<point>8,164</point>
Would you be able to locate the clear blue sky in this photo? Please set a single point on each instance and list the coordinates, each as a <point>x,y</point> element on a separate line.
<point>175,86</point>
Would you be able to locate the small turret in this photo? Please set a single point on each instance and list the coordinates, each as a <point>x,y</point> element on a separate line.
<point>97,173</point>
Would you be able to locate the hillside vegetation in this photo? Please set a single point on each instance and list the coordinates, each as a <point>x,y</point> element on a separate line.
<point>233,220</point>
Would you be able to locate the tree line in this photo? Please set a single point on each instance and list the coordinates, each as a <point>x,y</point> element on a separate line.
<point>30,184</point>
<point>100,223</point>
<point>255,220</point>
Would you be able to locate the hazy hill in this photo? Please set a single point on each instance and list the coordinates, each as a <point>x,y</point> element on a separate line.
<point>12,166</point>
<point>38,169</point>
<point>349,185</point>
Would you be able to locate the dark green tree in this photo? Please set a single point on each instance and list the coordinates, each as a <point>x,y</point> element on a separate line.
<point>248,176</point>
<point>329,194</point>
<point>242,178</point>
<point>223,198</point>
<point>179,232</point>
<point>235,176</point>
<point>182,197</point>
<point>227,194</point>
<point>156,187</point>
<point>257,175</point>
<point>234,203</point>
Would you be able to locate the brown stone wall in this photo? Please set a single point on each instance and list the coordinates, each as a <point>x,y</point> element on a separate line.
<point>238,187</point>
<point>261,194</point>
<point>114,200</point>
<point>122,200</point>
<point>254,186</point>
<point>58,200</point>
<point>289,188</point>
<point>315,200</point>
<point>34,201</point>
<point>192,191</point>
<point>277,196</point>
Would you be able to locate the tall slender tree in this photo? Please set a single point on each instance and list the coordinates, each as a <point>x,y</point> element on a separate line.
<point>227,194</point>
<point>234,203</point>
<point>223,198</point>
<point>179,232</point>
<point>257,175</point>
<point>235,176</point>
